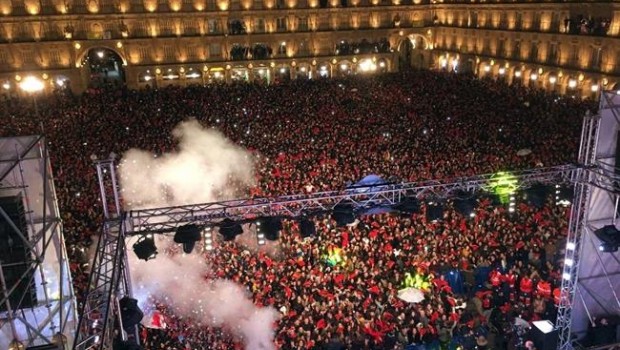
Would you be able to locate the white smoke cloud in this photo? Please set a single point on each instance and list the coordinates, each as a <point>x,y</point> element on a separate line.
<point>180,281</point>
<point>206,167</point>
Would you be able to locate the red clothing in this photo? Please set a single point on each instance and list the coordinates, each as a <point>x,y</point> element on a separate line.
<point>496,278</point>
<point>526,285</point>
<point>544,289</point>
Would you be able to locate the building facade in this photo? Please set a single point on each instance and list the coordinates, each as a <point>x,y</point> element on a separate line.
<point>568,47</point>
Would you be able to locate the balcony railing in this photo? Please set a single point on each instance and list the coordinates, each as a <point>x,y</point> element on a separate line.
<point>517,27</point>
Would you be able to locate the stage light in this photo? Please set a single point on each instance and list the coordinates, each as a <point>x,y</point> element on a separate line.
<point>208,238</point>
<point>145,248</point>
<point>230,229</point>
<point>269,227</point>
<point>434,211</point>
<point>504,185</point>
<point>343,214</point>
<point>607,248</point>
<point>563,195</point>
<point>537,195</point>
<point>260,235</point>
<point>188,235</point>
<point>307,228</point>
<point>512,204</point>
<point>609,237</point>
<point>465,203</point>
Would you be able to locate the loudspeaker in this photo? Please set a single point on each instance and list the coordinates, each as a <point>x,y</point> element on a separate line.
<point>131,314</point>
<point>15,257</point>
<point>544,335</point>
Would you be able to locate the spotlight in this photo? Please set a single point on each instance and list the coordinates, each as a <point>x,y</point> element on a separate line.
<point>145,248</point>
<point>607,248</point>
<point>208,237</point>
<point>512,204</point>
<point>343,214</point>
<point>187,235</point>
<point>260,235</point>
<point>563,195</point>
<point>434,211</point>
<point>230,229</point>
<point>609,237</point>
<point>269,227</point>
<point>465,203</point>
<point>307,228</point>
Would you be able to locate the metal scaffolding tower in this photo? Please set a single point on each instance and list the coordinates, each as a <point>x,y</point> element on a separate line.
<point>591,278</point>
<point>26,175</point>
<point>109,279</point>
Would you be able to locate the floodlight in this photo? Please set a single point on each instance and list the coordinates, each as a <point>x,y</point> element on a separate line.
<point>188,235</point>
<point>145,248</point>
<point>230,229</point>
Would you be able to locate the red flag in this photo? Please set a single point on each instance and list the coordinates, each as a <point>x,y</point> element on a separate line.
<point>156,321</point>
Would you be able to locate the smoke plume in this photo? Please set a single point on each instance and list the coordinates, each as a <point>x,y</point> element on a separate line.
<point>180,281</point>
<point>206,167</point>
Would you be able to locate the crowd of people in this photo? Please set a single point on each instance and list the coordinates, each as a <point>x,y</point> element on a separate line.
<point>318,135</point>
<point>587,25</point>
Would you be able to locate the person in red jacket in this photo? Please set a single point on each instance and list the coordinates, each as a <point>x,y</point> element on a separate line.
<point>526,286</point>
<point>544,289</point>
<point>496,278</point>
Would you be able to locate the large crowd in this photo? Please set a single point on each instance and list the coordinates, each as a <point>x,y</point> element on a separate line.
<point>317,135</point>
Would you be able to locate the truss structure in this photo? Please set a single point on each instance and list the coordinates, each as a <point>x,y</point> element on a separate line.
<point>585,270</point>
<point>591,278</point>
<point>168,219</point>
<point>25,172</point>
<point>109,279</point>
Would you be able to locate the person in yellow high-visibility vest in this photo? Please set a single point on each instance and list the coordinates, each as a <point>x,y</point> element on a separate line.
<point>409,280</point>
